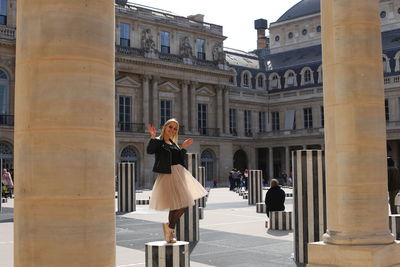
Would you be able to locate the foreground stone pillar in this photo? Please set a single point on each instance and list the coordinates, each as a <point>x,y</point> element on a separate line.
<point>357,212</point>
<point>64,134</point>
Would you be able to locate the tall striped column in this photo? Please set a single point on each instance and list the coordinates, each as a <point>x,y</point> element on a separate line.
<point>126,187</point>
<point>162,254</point>
<point>187,228</point>
<point>309,200</point>
<point>255,187</point>
<point>202,181</point>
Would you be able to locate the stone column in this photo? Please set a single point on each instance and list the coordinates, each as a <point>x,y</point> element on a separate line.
<point>220,124</point>
<point>226,110</point>
<point>271,163</point>
<point>287,161</point>
<point>64,134</point>
<point>357,209</point>
<point>146,99</point>
<point>185,101</point>
<point>193,108</point>
<point>156,107</point>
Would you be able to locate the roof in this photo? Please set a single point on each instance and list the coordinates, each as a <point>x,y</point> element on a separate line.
<point>288,59</point>
<point>301,9</point>
<point>236,57</point>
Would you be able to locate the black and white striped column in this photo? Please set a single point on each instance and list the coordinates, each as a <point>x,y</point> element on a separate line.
<point>280,220</point>
<point>394,225</point>
<point>201,213</point>
<point>261,207</point>
<point>192,164</point>
<point>126,187</point>
<point>202,180</point>
<point>255,187</point>
<point>163,254</point>
<point>309,200</point>
<point>187,228</point>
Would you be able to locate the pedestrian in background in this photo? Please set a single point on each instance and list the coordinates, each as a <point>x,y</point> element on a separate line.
<point>393,184</point>
<point>6,180</point>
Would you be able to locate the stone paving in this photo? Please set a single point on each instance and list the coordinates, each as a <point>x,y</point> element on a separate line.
<point>231,234</point>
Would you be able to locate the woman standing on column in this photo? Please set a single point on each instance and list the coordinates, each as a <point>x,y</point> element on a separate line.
<point>175,188</point>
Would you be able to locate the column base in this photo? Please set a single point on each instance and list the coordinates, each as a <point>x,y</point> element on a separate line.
<point>321,254</point>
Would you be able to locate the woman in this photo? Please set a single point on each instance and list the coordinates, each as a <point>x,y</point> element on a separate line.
<point>275,197</point>
<point>175,188</point>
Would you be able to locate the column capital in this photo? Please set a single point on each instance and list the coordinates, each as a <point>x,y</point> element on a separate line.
<point>145,77</point>
<point>184,82</point>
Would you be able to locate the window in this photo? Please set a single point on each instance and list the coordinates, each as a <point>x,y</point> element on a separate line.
<point>4,93</point>
<point>165,45</point>
<point>275,121</point>
<point>319,28</point>
<point>202,118</point>
<point>307,76</point>
<point>308,118</point>
<point>387,110</point>
<point>290,35</point>
<point>165,111</point>
<point>232,121</point>
<point>201,51</point>
<point>290,79</point>
<point>247,123</point>
<point>260,81</point>
<point>3,12</point>
<point>304,32</point>
<point>274,82</point>
<point>124,34</point>
<point>277,38</point>
<point>125,113</point>
<point>245,80</point>
<point>383,14</point>
<point>262,121</point>
<point>322,117</point>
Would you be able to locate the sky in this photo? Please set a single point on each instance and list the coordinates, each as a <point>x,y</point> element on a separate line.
<point>237,19</point>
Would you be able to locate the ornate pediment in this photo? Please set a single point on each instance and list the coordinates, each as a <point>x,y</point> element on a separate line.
<point>127,82</point>
<point>205,91</point>
<point>169,87</point>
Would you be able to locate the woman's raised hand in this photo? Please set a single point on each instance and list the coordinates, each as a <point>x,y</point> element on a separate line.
<point>152,131</point>
<point>187,143</point>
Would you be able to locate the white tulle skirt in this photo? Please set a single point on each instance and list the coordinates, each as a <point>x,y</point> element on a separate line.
<point>175,190</point>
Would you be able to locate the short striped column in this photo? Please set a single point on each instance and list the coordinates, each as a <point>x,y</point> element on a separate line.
<point>202,181</point>
<point>192,164</point>
<point>309,200</point>
<point>126,187</point>
<point>261,207</point>
<point>280,220</point>
<point>255,186</point>
<point>201,213</point>
<point>394,225</point>
<point>187,228</point>
<point>163,254</point>
<point>142,201</point>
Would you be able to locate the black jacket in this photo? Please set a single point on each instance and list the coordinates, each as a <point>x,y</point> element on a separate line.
<point>163,155</point>
<point>393,178</point>
<point>275,199</point>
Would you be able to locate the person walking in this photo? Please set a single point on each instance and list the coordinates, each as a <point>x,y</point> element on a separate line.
<point>6,179</point>
<point>393,184</point>
<point>175,188</point>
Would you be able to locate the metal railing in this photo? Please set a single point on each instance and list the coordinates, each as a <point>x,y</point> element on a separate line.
<point>6,120</point>
<point>209,131</point>
<point>131,127</point>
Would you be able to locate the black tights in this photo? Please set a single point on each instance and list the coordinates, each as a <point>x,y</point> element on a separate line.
<point>174,216</point>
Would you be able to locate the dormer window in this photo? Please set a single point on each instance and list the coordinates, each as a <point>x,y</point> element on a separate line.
<point>274,82</point>
<point>307,76</point>
<point>260,82</point>
<point>245,80</point>
<point>290,79</point>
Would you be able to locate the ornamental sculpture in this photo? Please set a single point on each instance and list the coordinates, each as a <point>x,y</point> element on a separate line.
<point>218,53</point>
<point>147,41</point>
<point>185,49</point>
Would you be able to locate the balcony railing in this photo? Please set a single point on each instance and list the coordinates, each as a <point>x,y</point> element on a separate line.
<point>391,125</point>
<point>7,33</point>
<point>6,120</point>
<point>297,132</point>
<point>131,127</point>
<point>209,131</point>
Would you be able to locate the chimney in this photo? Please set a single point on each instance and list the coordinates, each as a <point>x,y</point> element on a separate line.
<point>197,17</point>
<point>262,41</point>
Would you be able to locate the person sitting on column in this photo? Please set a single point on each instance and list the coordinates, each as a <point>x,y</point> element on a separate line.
<point>275,197</point>
<point>393,184</point>
<point>175,188</point>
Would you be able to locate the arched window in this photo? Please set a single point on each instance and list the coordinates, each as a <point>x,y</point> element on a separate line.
<point>4,93</point>
<point>397,60</point>
<point>386,64</point>
<point>245,80</point>
<point>6,155</point>
<point>320,78</point>
<point>306,76</point>
<point>240,160</point>
<point>260,81</point>
<point>290,80</point>
<point>274,81</point>
<point>207,161</point>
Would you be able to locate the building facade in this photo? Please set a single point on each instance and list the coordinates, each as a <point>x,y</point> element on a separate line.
<point>243,109</point>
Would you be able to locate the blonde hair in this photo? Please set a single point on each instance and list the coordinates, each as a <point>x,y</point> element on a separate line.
<point>175,137</point>
<point>274,182</point>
